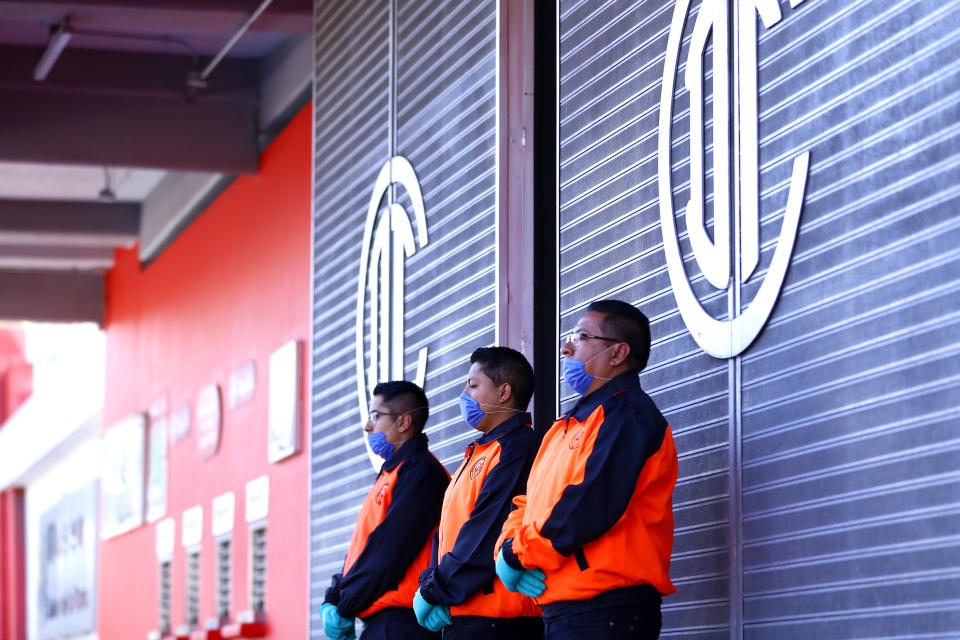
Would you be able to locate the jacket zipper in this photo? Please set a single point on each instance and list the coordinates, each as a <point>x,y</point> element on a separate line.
<point>473,447</point>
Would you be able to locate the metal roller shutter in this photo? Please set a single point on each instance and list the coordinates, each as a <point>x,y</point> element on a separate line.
<point>418,81</point>
<point>351,142</point>
<point>850,408</point>
<point>818,467</point>
<point>446,126</point>
<point>611,61</point>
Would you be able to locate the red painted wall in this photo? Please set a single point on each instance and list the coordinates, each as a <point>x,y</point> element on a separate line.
<point>13,608</point>
<point>233,287</point>
<point>16,374</point>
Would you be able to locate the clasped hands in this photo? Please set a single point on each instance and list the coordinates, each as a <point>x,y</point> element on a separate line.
<point>529,582</point>
<point>336,627</point>
<point>431,616</point>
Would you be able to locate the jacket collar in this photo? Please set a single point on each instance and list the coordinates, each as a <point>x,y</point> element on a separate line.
<point>516,420</point>
<point>588,403</point>
<point>407,450</point>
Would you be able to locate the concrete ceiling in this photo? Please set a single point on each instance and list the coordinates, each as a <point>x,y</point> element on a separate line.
<point>35,181</point>
<point>116,112</point>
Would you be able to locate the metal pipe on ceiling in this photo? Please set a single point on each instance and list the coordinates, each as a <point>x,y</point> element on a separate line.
<point>58,42</point>
<point>234,38</point>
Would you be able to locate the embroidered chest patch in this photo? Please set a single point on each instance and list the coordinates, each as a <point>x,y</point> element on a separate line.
<point>382,492</point>
<point>577,438</point>
<point>477,467</point>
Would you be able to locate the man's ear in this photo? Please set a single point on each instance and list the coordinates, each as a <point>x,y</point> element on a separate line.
<point>405,424</point>
<point>619,354</point>
<point>505,394</point>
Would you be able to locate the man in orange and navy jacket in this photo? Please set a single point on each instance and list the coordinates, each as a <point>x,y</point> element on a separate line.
<point>592,537</point>
<point>391,542</point>
<point>460,592</point>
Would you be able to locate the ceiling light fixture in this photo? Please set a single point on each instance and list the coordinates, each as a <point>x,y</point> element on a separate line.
<point>58,42</point>
<point>106,194</point>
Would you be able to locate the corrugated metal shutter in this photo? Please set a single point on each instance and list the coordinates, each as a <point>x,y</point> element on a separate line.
<point>845,410</point>
<point>351,142</point>
<point>436,108</point>
<point>446,127</point>
<point>851,397</point>
<point>611,60</point>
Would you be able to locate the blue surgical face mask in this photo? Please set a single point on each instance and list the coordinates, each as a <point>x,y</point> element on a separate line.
<point>470,410</point>
<point>472,413</point>
<point>379,445</point>
<point>576,375</point>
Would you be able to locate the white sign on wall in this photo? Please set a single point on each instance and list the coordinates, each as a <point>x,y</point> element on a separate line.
<point>180,424</point>
<point>243,384</point>
<point>157,471</point>
<point>283,429</point>
<point>257,499</point>
<point>123,476</point>
<point>209,420</point>
<point>221,518</point>
<point>166,538</point>
<point>729,337</point>
<point>192,523</point>
<point>66,592</point>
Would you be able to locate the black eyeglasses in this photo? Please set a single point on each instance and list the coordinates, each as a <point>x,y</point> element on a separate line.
<point>375,415</point>
<point>574,338</point>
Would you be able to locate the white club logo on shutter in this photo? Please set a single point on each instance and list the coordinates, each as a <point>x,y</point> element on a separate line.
<point>723,338</point>
<point>388,240</point>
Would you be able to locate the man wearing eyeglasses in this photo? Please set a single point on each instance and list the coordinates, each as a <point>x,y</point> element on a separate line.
<point>591,539</point>
<point>392,539</point>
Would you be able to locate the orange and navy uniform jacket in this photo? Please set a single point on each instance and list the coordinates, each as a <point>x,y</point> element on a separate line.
<point>598,513</point>
<point>391,542</point>
<point>475,506</point>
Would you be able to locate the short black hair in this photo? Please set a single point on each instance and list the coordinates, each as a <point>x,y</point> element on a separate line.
<point>503,364</point>
<point>405,397</point>
<point>625,322</point>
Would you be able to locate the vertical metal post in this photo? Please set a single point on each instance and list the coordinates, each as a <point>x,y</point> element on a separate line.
<point>500,204</point>
<point>514,234</point>
<point>391,291</point>
<point>734,365</point>
<point>556,182</point>
<point>392,108</point>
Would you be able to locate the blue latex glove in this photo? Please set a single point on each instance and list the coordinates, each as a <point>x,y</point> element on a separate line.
<point>529,582</point>
<point>421,608</point>
<point>437,618</point>
<point>431,616</point>
<point>334,626</point>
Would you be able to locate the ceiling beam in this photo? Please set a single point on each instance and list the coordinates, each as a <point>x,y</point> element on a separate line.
<point>287,76</point>
<point>77,224</point>
<point>154,133</point>
<point>283,16</point>
<point>287,83</point>
<point>46,257</point>
<point>173,204</point>
<point>124,73</point>
<point>42,296</point>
